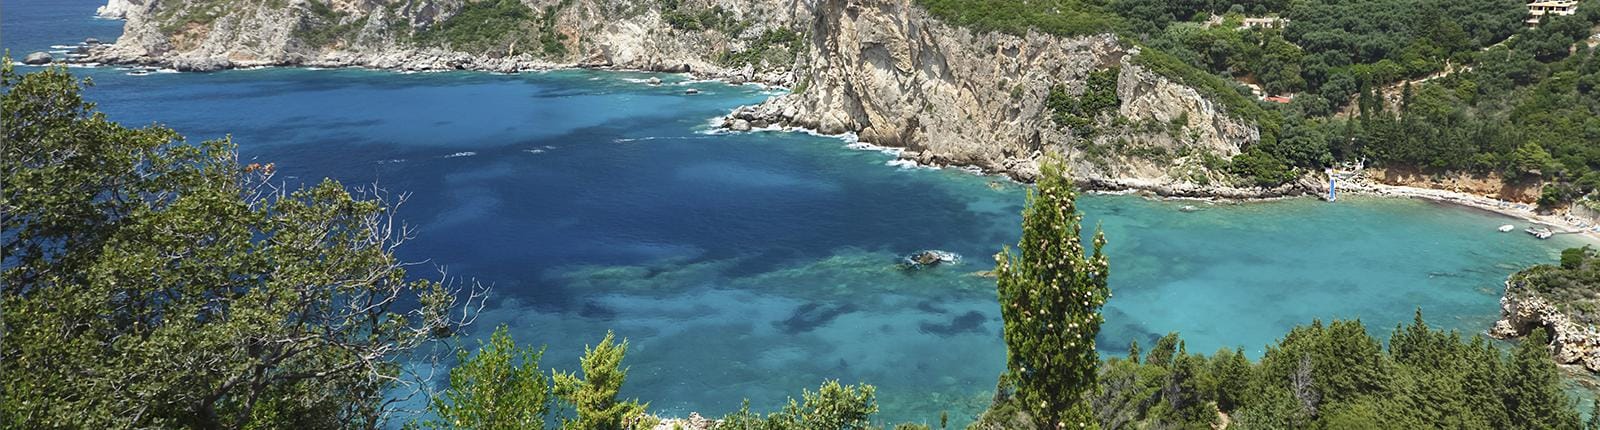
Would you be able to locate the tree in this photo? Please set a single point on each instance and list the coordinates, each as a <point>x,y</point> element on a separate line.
<point>1533,392</point>
<point>1050,295</point>
<point>499,388</point>
<point>153,282</point>
<point>833,407</point>
<point>595,394</point>
<point>1231,371</point>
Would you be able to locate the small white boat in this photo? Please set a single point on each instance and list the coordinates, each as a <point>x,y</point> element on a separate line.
<point>1507,227</point>
<point>1540,232</point>
<point>691,91</point>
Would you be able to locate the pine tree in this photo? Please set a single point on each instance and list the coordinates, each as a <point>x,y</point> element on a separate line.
<point>1050,295</point>
<point>1533,393</point>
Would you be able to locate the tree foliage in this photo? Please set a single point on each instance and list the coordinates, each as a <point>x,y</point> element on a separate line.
<point>1337,376</point>
<point>153,282</point>
<point>1050,293</point>
<point>594,394</point>
<point>501,387</point>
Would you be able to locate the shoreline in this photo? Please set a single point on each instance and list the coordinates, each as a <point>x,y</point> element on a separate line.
<point>1563,224</point>
<point>428,60</point>
<point>1174,191</point>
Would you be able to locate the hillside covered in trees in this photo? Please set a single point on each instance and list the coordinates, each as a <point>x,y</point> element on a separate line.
<point>1461,87</point>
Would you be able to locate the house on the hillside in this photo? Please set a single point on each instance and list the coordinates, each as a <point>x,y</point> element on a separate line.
<point>1537,9</point>
<point>1266,22</point>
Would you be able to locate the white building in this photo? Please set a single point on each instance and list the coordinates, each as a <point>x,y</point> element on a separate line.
<point>1539,8</point>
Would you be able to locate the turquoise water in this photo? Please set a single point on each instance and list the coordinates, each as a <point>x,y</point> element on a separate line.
<point>755,265</point>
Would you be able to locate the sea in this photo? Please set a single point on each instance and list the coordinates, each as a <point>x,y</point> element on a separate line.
<point>750,266</point>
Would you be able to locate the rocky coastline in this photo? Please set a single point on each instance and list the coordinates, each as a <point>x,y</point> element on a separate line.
<point>881,70</point>
<point>1522,310</point>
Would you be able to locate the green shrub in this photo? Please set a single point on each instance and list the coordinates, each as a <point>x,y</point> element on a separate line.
<point>594,396</point>
<point>1078,113</point>
<point>500,387</point>
<point>497,28</point>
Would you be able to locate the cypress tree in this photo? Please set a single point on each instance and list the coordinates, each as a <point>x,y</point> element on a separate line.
<point>1050,295</point>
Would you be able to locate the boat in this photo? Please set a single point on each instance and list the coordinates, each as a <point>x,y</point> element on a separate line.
<point>1507,227</point>
<point>1540,232</point>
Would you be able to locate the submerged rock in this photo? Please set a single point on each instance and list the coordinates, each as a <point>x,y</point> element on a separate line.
<point>654,81</point>
<point>38,58</point>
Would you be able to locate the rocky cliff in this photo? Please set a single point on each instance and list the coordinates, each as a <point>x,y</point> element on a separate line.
<point>898,77</point>
<point>202,35</point>
<point>883,69</point>
<point>1522,309</point>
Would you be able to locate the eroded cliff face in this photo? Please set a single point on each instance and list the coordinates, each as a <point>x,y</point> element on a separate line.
<point>1522,310</point>
<point>204,35</point>
<point>900,78</point>
<point>883,69</point>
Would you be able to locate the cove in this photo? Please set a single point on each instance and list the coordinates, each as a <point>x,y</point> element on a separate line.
<point>755,265</point>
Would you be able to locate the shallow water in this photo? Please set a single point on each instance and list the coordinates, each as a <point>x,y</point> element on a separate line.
<point>755,265</point>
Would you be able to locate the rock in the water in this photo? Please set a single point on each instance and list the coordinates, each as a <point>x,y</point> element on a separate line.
<point>654,80</point>
<point>91,41</point>
<point>691,91</point>
<point>740,125</point>
<point>930,258</point>
<point>38,58</point>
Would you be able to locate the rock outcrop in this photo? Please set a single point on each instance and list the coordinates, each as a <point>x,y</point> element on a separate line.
<point>117,9</point>
<point>205,35</point>
<point>1522,310</point>
<point>898,77</point>
<point>885,70</point>
<point>38,58</point>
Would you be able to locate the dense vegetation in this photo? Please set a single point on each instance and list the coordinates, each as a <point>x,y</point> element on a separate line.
<point>1573,286</point>
<point>774,47</point>
<point>154,282</point>
<point>1333,376</point>
<point>1486,93</point>
<point>1336,376</point>
<point>498,28</point>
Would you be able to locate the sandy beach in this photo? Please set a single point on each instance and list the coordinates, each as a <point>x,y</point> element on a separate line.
<point>1561,223</point>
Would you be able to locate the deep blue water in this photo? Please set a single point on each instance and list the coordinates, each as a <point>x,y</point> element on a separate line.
<point>755,265</point>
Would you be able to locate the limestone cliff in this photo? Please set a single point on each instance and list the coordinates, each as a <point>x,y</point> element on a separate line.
<point>202,35</point>
<point>1562,299</point>
<point>883,69</point>
<point>900,78</point>
<point>1522,310</point>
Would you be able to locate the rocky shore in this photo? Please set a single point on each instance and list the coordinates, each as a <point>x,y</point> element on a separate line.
<point>882,70</point>
<point>1522,310</point>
